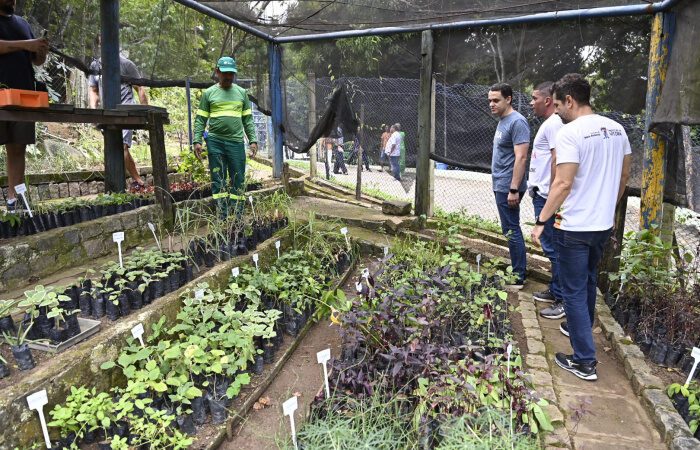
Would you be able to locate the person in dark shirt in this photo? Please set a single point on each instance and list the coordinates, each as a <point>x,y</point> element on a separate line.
<point>19,49</point>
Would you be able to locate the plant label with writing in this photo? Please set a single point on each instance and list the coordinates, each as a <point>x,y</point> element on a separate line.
<point>277,246</point>
<point>153,230</point>
<point>137,333</point>
<point>344,232</point>
<point>235,272</point>
<point>288,409</point>
<point>478,262</point>
<point>323,357</point>
<point>21,189</point>
<point>36,401</point>
<point>255,260</point>
<point>696,356</point>
<point>199,294</point>
<point>118,237</point>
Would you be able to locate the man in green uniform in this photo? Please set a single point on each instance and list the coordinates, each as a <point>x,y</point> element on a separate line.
<point>227,108</point>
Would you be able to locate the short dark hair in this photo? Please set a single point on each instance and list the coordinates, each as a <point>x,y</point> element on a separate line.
<point>503,88</point>
<point>545,87</point>
<point>575,85</point>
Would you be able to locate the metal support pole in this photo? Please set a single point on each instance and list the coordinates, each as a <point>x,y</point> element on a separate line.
<point>189,112</point>
<point>274,52</point>
<point>655,146</point>
<point>111,94</point>
<point>313,152</point>
<point>425,128</point>
<point>358,186</point>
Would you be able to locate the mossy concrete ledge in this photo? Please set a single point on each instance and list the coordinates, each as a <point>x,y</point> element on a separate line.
<point>25,260</point>
<point>80,365</point>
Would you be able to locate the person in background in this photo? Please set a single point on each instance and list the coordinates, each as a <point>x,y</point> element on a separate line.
<point>393,151</point>
<point>386,134</point>
<point>508,166</point>
<point>19,50</point>
<point>356,146</point>
<point>593,157</point>
<point>541,175</point>
<point>127,69</point>
<point>339,155</point>
<point>226,108</point>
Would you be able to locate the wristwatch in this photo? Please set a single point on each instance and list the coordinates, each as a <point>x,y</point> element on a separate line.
<point>513,191</point>
<point>539,222</point>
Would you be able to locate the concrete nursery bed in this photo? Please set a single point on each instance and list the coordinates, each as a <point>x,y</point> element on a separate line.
<point>81,364</point>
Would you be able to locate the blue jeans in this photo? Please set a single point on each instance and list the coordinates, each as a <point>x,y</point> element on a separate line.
<point>510,225</point>
<point>547,241</point>
<point>579,253</point>
<point>395,167</point>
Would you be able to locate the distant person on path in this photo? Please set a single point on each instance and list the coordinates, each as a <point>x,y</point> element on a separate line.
<point>356,145</point>
<point>593,157</point>
<point>393,151</point>
<point>328,149</point>
<point>386,134</point>
<point>339,155</point>
<point>19,49</point>
<point>541,175</point>
<point>508,166</point>
<point>129,70</point>
<point>228,111</point>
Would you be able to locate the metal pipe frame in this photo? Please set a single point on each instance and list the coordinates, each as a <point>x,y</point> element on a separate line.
<point>553,16</point>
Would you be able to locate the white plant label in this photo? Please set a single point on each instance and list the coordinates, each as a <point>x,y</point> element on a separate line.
<point>478,262</point>
<point>250,199</point>
<point>344,232</point>
<point>21,189</point>
<point>235,271</point>
<point>365,273</point>
<point>153,230</point>
<point>255,260</point>
<point>277,246</point>
<point>386,251</point>
<point>696,356</point>
<point>199,294</point>
<point>323,357</point>
<point>358,287</point>
<point>36,401</point>
<point>288,409</point>
<point>137,333</point>
<point>118,237</point>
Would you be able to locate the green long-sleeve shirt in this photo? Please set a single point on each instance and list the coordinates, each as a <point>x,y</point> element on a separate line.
<point>228,112</point>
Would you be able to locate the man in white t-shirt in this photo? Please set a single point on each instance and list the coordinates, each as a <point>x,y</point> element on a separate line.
<point>541,175</point>
<point>593,158</point>
<point>393,150</point>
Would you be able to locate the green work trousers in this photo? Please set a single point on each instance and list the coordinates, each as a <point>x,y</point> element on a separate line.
<point>227,167</point>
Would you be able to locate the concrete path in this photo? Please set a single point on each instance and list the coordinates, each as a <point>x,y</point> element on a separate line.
<point>605,414</point>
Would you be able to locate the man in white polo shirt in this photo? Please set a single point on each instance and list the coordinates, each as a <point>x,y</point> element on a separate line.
<point>541,175</point>
<point>593,158</point>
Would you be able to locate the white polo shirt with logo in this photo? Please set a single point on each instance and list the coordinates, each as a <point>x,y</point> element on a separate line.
<point>598,145</point>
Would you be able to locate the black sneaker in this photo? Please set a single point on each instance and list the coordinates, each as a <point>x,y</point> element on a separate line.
<point>564,328</point>
<point>585,371</point>
<point>544,296</point>
<point>554,311</point>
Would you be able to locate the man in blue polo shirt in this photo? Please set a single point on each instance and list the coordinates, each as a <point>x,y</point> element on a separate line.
<point>18,51</point>
<point>508,165</point>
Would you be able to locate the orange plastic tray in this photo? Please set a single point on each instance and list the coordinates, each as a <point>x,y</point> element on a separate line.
<point>27,99</point>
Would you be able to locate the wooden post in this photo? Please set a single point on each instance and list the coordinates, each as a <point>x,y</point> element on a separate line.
<point>159,162</point>
<point>426,135</point>
<point>111,94</point>
<point>275,60</point>
<point>311,79</point>
<point>655,146</point>
<point>687,146</point>
<point>358,185</point>
<point>610,262</point>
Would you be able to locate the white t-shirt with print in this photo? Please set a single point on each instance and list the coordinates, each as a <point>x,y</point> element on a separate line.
<point>394,140</point>
<point>598,145</point>
<point>541,158</point>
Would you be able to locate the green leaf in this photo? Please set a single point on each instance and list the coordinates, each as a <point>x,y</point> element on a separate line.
<point>107,365</point>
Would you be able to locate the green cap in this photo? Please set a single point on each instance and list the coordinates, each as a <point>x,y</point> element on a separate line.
<point>227,64</point>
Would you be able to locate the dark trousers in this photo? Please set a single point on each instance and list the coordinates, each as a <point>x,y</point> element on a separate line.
<point>339,162</point>
<point>510,225</point>
<point>547,242</point>
<point>579,253</point>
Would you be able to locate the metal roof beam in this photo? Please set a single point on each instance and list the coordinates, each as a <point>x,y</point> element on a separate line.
<point>206,10</point>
